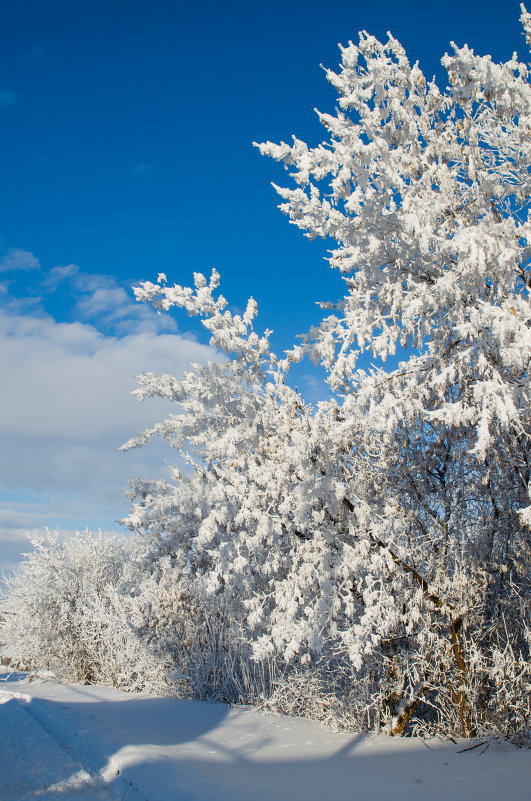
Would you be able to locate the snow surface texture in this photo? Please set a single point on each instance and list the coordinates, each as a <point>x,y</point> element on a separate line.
<point>77,743</point>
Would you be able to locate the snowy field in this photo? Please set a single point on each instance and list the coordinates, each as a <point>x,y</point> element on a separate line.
<point>77,743</point>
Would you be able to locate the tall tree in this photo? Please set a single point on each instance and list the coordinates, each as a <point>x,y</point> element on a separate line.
<point>427,197</point>
<point>389,526</point>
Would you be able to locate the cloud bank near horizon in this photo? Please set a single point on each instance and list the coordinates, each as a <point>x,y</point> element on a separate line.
<point>67,404</point>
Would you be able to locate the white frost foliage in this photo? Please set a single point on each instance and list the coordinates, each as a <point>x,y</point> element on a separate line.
<point>67,609</point>
<point>426,196</point>
<point>525,19</point>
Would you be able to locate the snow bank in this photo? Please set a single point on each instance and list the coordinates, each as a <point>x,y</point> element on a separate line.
<point>74,743</point>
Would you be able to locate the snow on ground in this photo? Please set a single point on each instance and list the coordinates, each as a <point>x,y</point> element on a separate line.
<point>76,743</point>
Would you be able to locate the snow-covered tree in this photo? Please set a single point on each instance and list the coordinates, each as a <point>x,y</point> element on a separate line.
<point>390,523</point>
<point>67,609</point>
<point>238,524</point>
<point>426,194</point>
<point>49,600</point>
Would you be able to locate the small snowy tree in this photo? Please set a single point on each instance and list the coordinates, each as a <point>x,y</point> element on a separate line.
<point>68,610</point>
<point>236,526</point>
<point>51,598</point>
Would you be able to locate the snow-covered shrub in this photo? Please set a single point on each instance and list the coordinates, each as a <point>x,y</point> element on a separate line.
<point>50,598</point>
<point>66,610</point>
<point>186,634</point>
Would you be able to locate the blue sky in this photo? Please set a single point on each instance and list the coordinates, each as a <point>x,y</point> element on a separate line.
<point>126,132</point>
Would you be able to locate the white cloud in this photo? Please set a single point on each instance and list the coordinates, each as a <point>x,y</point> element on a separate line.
<point>111,304</point>
<point>23,518</point>
<point>67,381</point>
<point>18,259</point>
<point>101,300</point>
<point>59,274</point>
<point>109,300</point>
<point>66,409</point>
